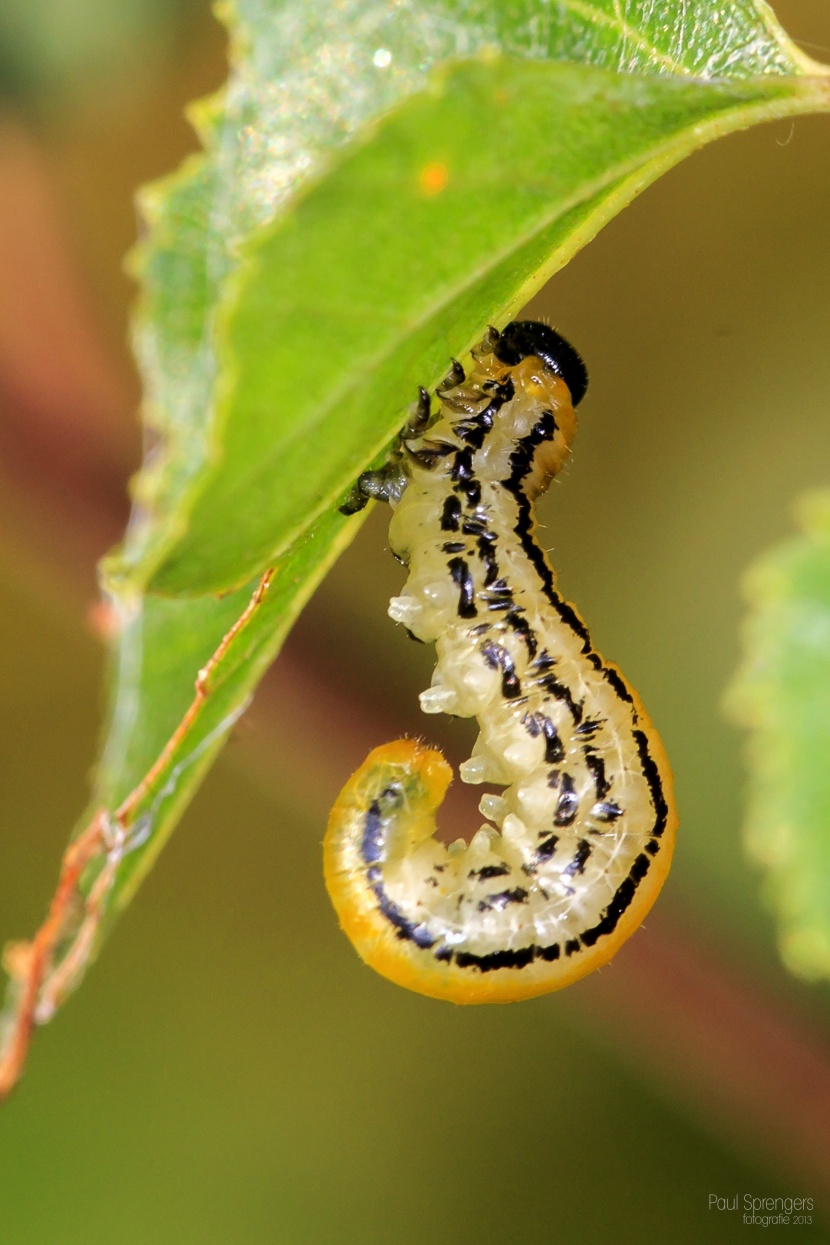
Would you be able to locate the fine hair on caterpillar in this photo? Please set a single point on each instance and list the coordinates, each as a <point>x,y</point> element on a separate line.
<point>582,833</point>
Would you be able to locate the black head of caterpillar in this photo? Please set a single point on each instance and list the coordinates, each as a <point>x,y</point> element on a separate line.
<point>585,820</point>
<point>523,338</point>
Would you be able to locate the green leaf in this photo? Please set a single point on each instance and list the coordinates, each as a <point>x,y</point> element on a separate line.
<point>782,695</point>
<point>354,285</point>
<point>379,181</point>
<point>374,279</point>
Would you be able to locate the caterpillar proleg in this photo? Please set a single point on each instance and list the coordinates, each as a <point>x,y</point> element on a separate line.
<point>584,826</point>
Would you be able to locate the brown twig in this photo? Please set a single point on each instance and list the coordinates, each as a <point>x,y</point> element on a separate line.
<point>39,984</point>
<point>32,960</point>
<point>61,978</point>
<point>126,811</point>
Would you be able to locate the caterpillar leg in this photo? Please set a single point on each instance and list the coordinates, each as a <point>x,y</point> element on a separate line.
<point>469,923</point>
<point>388,483</point>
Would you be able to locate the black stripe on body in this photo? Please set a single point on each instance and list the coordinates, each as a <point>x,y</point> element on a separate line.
<point>521,461</point>
<point>371,845</point>
<point>489,871</point>
<point>518,623</point>
<point>613,676</point>
<point>496,959</point>
<point>652,776</point>
<point>619,904</point>
<point>540,724</point>
<point>577,865</point>
<point>546,849</point>
<point>549,683</point>
<point>503,899</point>
<point>462,467</point>
<point>464,478</point>
<point>486,551</point>
<point>463,580</point>
<point>473,431</point>
<point>604,810</point>
<point>596,765</point>
<point>497,658</point>
<point>568,806</point>
<point>371,849</point>
<point>406,929</point>
<point>451,514</point>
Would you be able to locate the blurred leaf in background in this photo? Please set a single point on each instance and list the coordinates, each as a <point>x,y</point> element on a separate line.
<point>782,694</point>
<point>48,46</point>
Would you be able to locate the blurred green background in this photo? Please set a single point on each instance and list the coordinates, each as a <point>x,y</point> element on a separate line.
<point>230,1071</point>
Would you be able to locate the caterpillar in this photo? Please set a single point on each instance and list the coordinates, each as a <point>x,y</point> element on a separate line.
<point>586,820</point>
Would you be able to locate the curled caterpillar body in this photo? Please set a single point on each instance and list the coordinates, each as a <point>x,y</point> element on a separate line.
<point>586,821</point>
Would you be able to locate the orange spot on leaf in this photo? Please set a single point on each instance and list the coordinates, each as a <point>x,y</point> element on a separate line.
<point>433,178</point>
